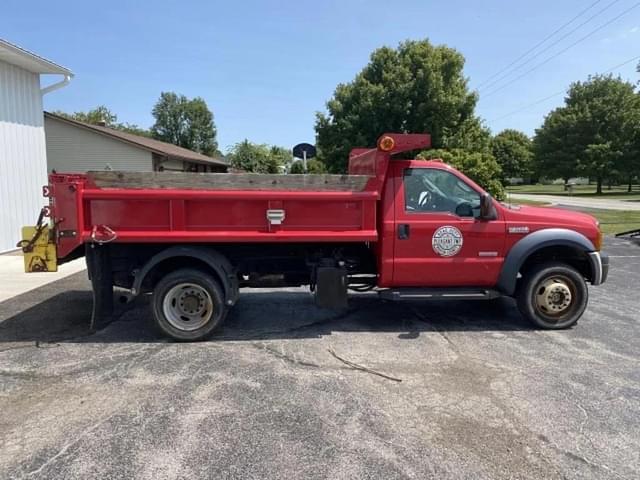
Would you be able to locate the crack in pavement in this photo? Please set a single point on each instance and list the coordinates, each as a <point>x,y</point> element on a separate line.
<point>70,444</point>
<point>287,358</point>
<point>291,359</point>
<point>425,320</point>
<point>131,360</point>
<point>580,458</point>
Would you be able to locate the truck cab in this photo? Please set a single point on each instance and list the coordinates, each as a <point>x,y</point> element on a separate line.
<point>405,228</point>
<point>467,233</point>
<point>442,234</point>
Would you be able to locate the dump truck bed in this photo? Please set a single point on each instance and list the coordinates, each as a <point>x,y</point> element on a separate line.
<point>169,207</point>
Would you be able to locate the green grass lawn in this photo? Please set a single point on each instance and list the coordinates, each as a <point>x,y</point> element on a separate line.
<point>519,201</point>
<point>616,221</point>
<point>618,192</point>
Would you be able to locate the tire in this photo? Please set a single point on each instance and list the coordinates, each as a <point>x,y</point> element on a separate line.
<point>188,305</point>
<point>553,296</point>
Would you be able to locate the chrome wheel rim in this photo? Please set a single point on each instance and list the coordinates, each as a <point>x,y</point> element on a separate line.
<point>554,296</point>
<point>187,306</point>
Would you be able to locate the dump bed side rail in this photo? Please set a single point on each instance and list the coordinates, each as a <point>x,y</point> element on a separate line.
<point>344,211</point>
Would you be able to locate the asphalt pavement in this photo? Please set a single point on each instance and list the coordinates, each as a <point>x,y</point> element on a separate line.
<point>447,390</point>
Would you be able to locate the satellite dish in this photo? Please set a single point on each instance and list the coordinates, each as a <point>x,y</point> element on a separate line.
<point>304,151</point>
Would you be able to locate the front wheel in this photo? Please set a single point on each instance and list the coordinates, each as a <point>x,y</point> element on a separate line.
<point>553,296</point>
<point>188,305</point>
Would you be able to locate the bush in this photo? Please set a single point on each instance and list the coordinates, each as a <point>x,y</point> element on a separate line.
<point>313,166</point>
<point>316,166</point>
<point>296,167</point>
<point>257,158</point>
<point>482,168</point>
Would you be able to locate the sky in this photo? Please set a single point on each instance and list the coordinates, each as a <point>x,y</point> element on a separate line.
<point>266,67</point>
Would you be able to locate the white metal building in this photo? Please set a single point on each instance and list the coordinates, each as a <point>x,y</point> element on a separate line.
<point>23,161</point>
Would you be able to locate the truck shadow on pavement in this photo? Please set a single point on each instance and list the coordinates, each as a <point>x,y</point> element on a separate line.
<point>259,315</point>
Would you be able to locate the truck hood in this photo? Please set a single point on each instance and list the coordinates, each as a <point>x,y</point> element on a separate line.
<point>550,217</point>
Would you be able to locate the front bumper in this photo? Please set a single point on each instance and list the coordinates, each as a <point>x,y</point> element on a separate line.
<point>599,267</point>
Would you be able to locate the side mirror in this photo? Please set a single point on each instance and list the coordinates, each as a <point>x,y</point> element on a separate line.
<point>487,210</point>
<point>464,210</point>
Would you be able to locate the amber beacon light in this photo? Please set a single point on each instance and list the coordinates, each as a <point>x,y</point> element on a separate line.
<point>386,144</point>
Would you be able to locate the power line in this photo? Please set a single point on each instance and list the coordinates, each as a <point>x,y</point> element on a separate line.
<point>533,104</point>
<point>549,47</point>
<point>525,107</point>
<point>540,43</point>
<point>621,65</point>
<point>580,40</point>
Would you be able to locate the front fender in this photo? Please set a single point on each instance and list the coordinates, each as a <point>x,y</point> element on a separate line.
<point>549,237</point>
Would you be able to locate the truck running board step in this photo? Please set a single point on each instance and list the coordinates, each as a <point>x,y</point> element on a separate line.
<point>397,294</point>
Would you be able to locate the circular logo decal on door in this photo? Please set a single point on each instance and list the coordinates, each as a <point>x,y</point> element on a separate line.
<point>447,241</point>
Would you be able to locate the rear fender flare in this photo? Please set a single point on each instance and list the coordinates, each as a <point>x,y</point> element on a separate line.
<point>549,237</point>
<point>215,260</point>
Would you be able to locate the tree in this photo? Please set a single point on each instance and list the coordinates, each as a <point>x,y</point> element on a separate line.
<point>184,122</point>
<point>555,147</point>
<point>481,167</point>
<point>630,160</point>
<point>101,115</point>
<point>258,158</point>
<point>513,152</point>
<point>417,87</point>
<point>592,133</point>
<point>472,135</point>
<point>133,129</point>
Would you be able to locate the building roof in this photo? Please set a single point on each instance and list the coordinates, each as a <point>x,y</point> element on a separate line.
<point>155,146</point>
<point>29,61</point>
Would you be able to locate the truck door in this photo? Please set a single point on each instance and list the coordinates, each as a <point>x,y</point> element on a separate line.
<point>440,240</point>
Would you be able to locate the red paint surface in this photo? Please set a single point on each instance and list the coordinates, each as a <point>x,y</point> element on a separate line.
<point>212,216</point>
<point>162,216</point>
<point>416,263</point>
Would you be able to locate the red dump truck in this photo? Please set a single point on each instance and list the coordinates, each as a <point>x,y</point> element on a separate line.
<point>410,229</point>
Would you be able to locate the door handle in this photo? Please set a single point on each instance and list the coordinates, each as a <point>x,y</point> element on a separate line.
<point>403,231</point>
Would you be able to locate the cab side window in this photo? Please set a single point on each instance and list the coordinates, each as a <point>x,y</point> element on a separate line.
<point>435,190</point>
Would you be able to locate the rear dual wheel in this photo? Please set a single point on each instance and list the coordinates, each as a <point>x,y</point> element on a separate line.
<point>188,305</point>
<point>553,296</point>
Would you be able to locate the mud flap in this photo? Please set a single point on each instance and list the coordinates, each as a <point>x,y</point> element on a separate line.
<point>331,288</point>
<point>99,267</point>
